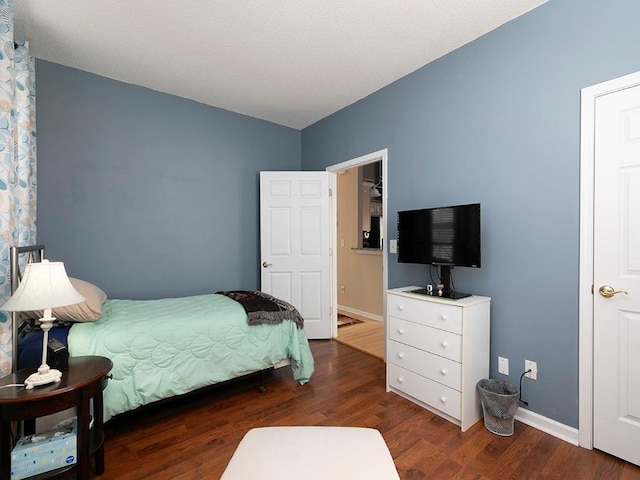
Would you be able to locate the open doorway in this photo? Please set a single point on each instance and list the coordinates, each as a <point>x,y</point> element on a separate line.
<point>360,279</point>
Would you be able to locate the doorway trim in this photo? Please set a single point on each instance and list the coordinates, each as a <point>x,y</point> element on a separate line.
<point>589,96</point>
<point>380,155</point>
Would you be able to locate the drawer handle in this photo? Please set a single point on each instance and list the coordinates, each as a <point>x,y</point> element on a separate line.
<point>443,372</point>
<point>400,379</point>
<point>444,344</point>
<point>401,331</point>
<point>443,316</point>
<point>400,307</point>
<point>401,355</point>
<point>443,399</point>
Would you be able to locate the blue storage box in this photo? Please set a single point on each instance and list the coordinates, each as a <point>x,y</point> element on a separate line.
<point>42,452</point>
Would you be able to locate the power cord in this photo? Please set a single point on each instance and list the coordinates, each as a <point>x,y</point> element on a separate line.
<point>520,396</point>
<point>453,284</point>
<point>433,282</point>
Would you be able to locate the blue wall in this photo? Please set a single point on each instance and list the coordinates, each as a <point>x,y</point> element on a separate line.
<point>147,194</point>
<point>498,122</point>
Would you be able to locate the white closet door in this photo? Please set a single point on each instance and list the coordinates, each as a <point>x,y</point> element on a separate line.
<point>616,329</point>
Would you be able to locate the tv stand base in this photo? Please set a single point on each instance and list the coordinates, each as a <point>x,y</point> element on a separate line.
<point>450,295</point>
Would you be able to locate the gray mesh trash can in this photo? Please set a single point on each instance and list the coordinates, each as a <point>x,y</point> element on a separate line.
<point>499,405</point>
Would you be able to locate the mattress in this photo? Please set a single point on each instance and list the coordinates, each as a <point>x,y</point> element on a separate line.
<point>168,347</point>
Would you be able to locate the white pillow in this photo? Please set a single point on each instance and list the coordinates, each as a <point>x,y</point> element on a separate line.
<point>88,311</point>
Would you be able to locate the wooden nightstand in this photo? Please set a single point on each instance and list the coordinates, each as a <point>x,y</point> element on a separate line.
<point>83,382</point>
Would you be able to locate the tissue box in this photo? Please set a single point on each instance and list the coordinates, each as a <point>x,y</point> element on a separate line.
<point>35,454</point>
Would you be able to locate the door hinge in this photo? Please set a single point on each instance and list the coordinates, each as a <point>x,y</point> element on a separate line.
<point>592,289</point>
<point>330,192</point>
<point>331,252</point>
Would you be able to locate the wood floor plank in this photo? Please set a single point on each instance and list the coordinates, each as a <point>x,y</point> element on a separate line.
<point>194,437</point>
<point>368,337</point>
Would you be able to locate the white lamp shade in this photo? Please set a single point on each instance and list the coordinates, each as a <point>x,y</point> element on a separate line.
<point>44,285</point>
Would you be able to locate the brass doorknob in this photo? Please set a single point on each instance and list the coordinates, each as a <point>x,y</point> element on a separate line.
<point>607,291</point>
<point>266,264</point>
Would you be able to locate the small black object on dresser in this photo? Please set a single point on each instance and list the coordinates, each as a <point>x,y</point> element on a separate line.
<point>57,355</point>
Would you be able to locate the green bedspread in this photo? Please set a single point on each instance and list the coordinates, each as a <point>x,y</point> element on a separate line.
<point>167,347</point>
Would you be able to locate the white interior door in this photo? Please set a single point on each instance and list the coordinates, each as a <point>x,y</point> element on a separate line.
<point>295,244</point>
<point>616,324</point>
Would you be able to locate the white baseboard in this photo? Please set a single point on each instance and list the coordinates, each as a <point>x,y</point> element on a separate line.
<point>535,420</point>
<point>354,311</point>
<point>547,425</point>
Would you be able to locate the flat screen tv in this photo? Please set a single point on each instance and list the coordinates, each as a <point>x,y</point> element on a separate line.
<point>444,236</point>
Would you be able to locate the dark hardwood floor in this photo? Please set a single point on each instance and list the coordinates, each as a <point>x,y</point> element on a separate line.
<point>194,437</point>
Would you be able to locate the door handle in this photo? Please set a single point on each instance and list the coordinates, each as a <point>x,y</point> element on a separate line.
<point>607,291</point>
<point>266,264</point>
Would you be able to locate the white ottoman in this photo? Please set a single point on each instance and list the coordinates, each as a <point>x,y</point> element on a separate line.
<point>309,453</point>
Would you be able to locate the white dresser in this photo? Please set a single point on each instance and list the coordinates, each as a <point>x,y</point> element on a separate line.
<point>437,350</point>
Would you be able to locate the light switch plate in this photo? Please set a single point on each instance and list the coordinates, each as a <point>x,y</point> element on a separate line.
<point>503,365</point>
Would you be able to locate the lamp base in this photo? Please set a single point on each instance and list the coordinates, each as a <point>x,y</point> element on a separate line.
<point>44,376</point>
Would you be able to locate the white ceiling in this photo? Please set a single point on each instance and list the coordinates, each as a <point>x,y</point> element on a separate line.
<point>292,62</point>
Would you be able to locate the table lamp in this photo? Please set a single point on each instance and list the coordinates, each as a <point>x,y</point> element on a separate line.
<point>44,286</point>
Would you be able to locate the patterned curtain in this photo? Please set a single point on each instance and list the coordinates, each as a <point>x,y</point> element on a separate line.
<point>17,161</point>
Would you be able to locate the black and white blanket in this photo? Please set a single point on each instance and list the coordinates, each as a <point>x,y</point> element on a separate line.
<point>263,308</point>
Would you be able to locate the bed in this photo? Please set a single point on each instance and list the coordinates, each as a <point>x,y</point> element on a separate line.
<point>169,347</point>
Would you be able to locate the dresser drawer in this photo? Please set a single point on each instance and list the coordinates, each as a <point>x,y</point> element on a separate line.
<point>432,314</point>
<point>432,340</point>
<point>439,369</point>
<point>427,391</point>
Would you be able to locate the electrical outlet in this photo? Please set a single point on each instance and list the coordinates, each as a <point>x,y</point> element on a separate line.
<point>503,365</point>
<point>533,366</point>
